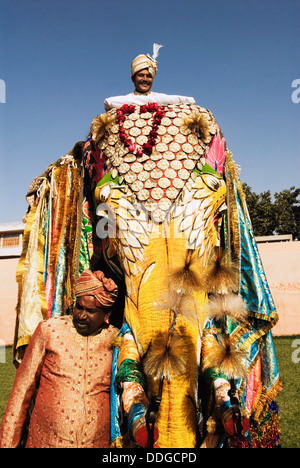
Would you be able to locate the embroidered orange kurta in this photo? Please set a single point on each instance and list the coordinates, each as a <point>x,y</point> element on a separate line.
<point>72,373</point>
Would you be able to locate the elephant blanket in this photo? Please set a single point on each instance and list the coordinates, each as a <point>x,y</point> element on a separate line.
<point>155,196</point>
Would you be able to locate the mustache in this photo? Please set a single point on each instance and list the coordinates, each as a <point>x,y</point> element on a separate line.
<point>79,321</point>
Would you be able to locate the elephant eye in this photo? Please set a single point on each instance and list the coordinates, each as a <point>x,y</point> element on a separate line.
<point>211,181</point>
<point>104,194</point>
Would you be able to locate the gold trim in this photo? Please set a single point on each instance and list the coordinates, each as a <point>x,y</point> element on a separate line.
<point>265,397</point>
<point>24,341</point>
<point>231,171</point>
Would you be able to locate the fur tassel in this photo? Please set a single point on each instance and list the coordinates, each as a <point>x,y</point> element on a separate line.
<point>188,278</point>
<point>231,305</point>
<point>182,283</point>
<point>225,356</point>
<point>199,124</point>
<point>179,303</point>
<point>221,275</point>
<point>100,125</point>
<point>166,357</point>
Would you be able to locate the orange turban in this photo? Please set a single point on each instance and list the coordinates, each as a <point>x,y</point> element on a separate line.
<point>95,284</point>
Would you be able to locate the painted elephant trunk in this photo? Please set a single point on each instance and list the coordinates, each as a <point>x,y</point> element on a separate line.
<point>168,343</point>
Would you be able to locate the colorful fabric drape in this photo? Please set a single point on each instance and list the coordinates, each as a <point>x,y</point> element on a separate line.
<point>55,249</point>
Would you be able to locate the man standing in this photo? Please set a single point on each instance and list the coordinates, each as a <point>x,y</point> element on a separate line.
<point>68,362</point>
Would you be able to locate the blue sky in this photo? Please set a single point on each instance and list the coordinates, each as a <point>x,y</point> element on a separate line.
<point>60,59</point>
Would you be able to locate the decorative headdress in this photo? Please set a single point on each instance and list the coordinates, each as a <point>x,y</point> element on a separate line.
<point>96,284</point>
<point>145,61</point>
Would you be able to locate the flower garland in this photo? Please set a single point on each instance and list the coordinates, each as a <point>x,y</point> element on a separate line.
<point>147,147</point>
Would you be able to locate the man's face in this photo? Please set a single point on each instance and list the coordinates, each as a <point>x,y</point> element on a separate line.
<point>143,81</point>
<point>88,317</point>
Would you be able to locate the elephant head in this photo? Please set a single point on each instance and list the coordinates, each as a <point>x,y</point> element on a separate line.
<point>161,207</point>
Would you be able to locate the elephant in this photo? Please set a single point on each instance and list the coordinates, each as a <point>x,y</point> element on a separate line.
<point>163,208</point>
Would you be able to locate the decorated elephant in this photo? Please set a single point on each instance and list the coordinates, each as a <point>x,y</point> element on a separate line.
<point>154,198</point>
<point>154,195</point>
<point>177,225</point>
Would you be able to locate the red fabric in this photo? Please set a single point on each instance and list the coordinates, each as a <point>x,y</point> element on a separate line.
<point>229,426</point>
<point>141,436</point>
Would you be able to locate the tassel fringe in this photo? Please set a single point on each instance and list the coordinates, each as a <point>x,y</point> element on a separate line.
<point>221,275</point>
<point>230,305</point>
<point>199,124</point>
<point>188,278</point>
<point>225,356</point>
<point>100,125</point>
<point>167,357</point>
<point>179,303</point>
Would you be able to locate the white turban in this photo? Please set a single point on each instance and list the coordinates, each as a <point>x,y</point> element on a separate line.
<point>145,61</point>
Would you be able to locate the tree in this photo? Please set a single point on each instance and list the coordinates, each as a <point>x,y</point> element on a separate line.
<point>287,212</point>
<point>262,212</point>
<point>279,217</point>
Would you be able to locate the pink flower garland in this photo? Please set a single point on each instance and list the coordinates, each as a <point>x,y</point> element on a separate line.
<point>147,148</point>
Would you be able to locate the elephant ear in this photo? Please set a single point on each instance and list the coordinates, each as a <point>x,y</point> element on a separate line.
<point>198,210</point>
<point>128,221</point>
<point>133,234</point>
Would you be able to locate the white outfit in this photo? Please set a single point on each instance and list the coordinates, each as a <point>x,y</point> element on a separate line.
<point>142,99</point>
